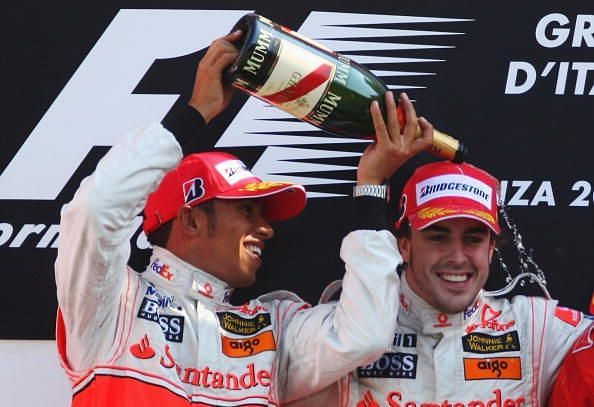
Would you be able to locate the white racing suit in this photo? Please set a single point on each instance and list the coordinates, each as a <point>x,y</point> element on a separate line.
<point>496,353</point>
<point>169,336</point>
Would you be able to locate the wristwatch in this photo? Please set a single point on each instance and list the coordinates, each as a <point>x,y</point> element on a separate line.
<point>377,191</point>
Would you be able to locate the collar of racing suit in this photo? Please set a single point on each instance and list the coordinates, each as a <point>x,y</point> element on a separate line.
<point>168,271</point>
<point>417,314</point>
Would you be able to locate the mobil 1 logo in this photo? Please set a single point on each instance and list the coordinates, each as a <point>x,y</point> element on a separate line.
<point>394,365</point>
<point>171,325</point>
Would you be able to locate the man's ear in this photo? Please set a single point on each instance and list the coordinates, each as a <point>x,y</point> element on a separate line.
<point>190,221</point>
<point>404,248</point>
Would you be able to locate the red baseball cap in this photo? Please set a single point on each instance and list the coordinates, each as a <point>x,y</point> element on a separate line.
<point>447,190</point>
<point>204,176</point>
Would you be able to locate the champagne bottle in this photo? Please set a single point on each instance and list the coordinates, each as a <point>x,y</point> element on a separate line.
<point>315,84</point>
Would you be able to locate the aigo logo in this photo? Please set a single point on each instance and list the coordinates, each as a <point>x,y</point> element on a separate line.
<point>245,347</point>
<point>493,368</point>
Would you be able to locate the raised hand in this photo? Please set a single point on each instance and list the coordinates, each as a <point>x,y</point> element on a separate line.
<point>393,146</point>
<point>211,95</point>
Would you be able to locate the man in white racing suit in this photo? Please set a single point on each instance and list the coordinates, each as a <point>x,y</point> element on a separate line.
<point>454,345</point>
<point>169,336</point>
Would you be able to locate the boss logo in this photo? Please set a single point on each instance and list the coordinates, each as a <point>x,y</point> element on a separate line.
<point>171,325</point>
<point>391,365</point>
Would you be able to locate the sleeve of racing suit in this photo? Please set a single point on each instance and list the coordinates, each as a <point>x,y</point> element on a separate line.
<point>564,327</point>
<point>326,342</point>
<point>95,229</point>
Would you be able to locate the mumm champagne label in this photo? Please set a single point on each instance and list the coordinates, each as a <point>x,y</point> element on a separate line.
<point>287,74</point>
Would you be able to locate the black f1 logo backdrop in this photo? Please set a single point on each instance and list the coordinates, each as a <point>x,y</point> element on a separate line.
<point>515,83</point>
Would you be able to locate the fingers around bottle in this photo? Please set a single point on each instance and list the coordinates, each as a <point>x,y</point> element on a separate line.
<point>393,125</point>
<point>426,138</point>
<point>411,115</point>
<point>381,132</point>
<point>224,60</point>
<point>233,36</point>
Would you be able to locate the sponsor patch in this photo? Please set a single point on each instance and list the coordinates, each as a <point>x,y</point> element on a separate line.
<point>193,190</point>
<point>263,186</point>
<point>472,309</point>
<point>164,301</point>
<point>442,321</point>
<point>397,399</point>
<point>405,340</point>
<point>142,349</point>
<point>391,365</point>
<point>233,323</point>
<point>171,325</point>
<point>162,269</point>
<point>568,315</point>
<point>483,343</point>
<point>245,309</point>
<point>493,369</point>
<point>233,171</point>
<point>454,185</point>
<point>490,320</point>
<point>245,347</point>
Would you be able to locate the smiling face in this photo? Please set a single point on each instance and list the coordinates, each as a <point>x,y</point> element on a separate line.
<point>448,262</point>
<point>231,248</point>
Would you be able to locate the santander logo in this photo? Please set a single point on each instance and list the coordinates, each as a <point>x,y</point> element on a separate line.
<point>143,349</point>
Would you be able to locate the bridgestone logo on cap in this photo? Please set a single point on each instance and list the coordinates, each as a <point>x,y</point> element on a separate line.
<point>454,185</point>
<point>233,171</point>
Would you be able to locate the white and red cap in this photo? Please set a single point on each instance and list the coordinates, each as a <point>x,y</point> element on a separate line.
<point>447,190</point>
<point>204,176</point>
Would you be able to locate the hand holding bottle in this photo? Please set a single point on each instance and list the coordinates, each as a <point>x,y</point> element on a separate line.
<point>211,95</point>
<point>393,145</point>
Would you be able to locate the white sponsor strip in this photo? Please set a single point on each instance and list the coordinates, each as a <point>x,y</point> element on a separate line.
<point>454,186</point>
<point>233,171</point>
<point>335,18</point>
<point>406,87</point>
<point>274,164</point>
<point>343,46</point>
<point>358,32</point>
<point>372,59</point>
<point>400,73</point>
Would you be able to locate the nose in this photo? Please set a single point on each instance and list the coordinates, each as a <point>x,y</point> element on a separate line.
<point>457,254</point>
<point>263,229</point>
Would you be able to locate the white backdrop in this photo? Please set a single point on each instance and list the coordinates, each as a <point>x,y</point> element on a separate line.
<point>31,376</point>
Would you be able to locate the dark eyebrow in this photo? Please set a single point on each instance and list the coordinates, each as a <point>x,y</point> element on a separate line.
<point>440,229</point>
<point>436,228</point>
<point>479,229</point>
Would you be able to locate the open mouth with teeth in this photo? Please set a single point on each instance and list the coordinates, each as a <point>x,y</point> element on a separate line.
<point>454,278</point>
<point>255,250</point>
